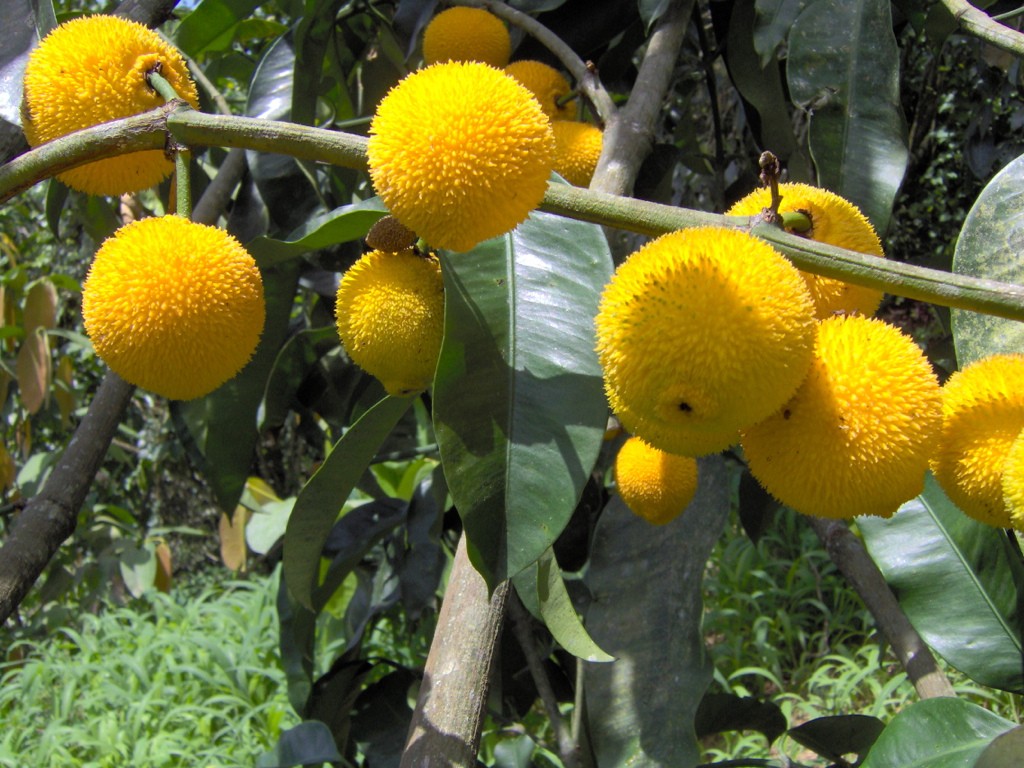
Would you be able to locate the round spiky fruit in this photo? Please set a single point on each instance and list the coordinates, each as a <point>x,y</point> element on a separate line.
<point>548,86</point>
<point>834,221</point>
<point>982,416</point>
<point>173,306</point>
<point>701,333</point>
<point>577,150</point>
<point>654,484</point>
<point>1013,482</point>
<point>390,313</point>
<point>92,70</point>
<point>466,34</point>
<point>855,438</point>
<point>459,153</point>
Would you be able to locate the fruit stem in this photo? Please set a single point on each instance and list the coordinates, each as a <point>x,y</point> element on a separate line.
<point>159,84</point>
<point>796,221</point>
<point>183,183</point>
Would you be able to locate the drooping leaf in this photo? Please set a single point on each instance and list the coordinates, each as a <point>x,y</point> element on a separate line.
<point>210,25</point>
<point>349,222</point>
<point>719,712</point>
<point>936,733</point>
<point>647,605</point>
<point>551,601</point>
<point>760,83</point>
<point>519,409</point>
<point>774,21</point>
<point>843,68</point>
<point>223,424</point>
<point>320,501</point>
<point>34,370</point>
<point>652,10</point>
<point>281,182</point>
<point>312,35</point>
<point>834,737</point>
<point>381,719</point>
<point>960,583</point>
<point>989,246</point>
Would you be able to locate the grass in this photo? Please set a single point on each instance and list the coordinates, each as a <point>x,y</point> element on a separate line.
<point>192,680</point>
<point>783,625</point>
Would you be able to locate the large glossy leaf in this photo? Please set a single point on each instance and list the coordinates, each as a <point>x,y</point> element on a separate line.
<point>320,501</point>
<point>211,24</point>
<point>647,607</point>
<point>936,733</point>
<point>960,583</point>
<point>1007,751</point>
<point>519,409</point>
<point>989,246</point>
<point>843,67</point>
<point>223,424</point>
<point>349,222</point>
<point>312,35</point>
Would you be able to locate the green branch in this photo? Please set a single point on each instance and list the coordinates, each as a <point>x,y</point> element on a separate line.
<point>192,128</point>
<point>979,24</point>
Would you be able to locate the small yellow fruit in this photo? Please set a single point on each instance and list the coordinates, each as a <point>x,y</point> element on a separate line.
<point>834,221</point>
<point>856,437</point>
<point>90,71</point>
<point>701,333</point>
<point>459,153</point>
<point>654,484</point>
<point>983,414</point>
<point>548,86</point>
<point>466,34</point>
<point>577,150</point>
<point>390,313</point>
<point>173,306</point>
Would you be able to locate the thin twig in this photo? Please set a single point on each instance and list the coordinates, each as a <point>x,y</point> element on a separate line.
<point>50,517</point>
<point>568,749</point>
<point>849,555</point>
<point>586,77</point>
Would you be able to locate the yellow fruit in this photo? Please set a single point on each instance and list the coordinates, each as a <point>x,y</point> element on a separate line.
<point>92,70</point>
<point>856,437</point>
<point>982,415</point>
<point>577,150</point>
<point>459,153</point>
<point>834,221</point>
<point>548,86</point>
<point>701,333</point>
<point>390,313</point>
<point>1013,482</point>
<point>654,484</point>
<point>466,34</point>
<point>173,306</point>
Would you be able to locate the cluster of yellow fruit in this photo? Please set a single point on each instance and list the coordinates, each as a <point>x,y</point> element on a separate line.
<point>709,338</point>
<point>170,305</point>
<point>460,151</point>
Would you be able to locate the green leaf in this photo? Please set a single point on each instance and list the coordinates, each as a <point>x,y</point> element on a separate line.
<point>843,68</point>
<point>833,737</point>
<point>652,10</point>
<point>519,408</point>
<point>989,246</point>
<point>320,501</point>
<point>959,581</point>
<point>1004,752</point>
<point>349,222</point>
<point>308,743</point>
<point>547,597</point>
<point>647,607</point>
<point>720,712</point>
<point>223,424</point>
<point>936,733</point>
<point>774,21</point>
<point>760,83</point>
<point>210,23</point>
<point>312,34</point>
